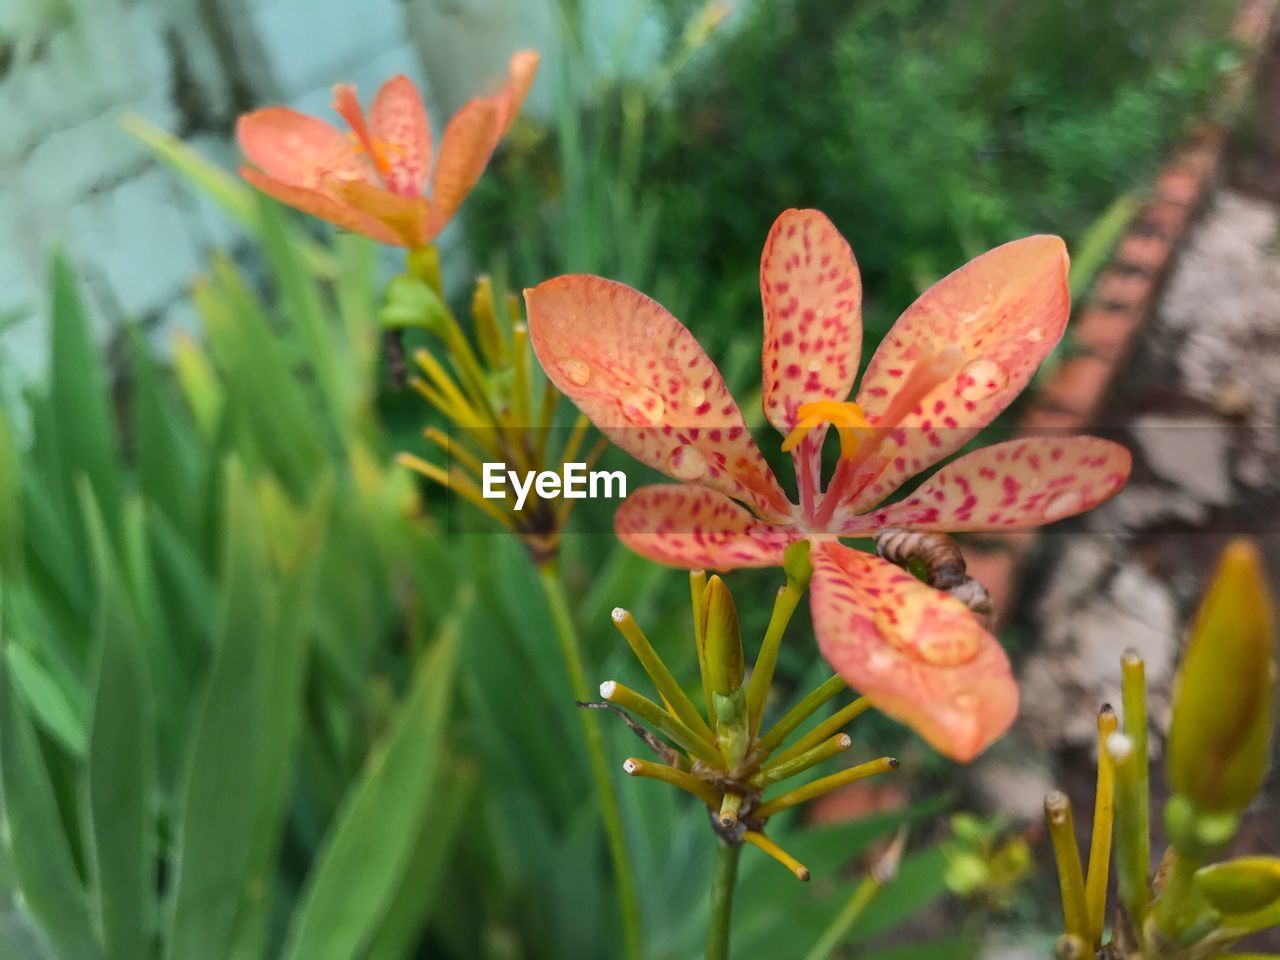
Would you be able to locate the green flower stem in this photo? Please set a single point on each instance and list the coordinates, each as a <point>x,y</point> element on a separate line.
<point>827,749</point>
<point>672,693</point>
<point>1176,907</point>
<point>666,724</point>
<point>723,880</point>
<point>1131,865</point>
<point>610,810</point>
<point>827,728</point>
<point>762,674</point>
<point>798,714</point>
<point>1133,685</point>
<point>850,914</point>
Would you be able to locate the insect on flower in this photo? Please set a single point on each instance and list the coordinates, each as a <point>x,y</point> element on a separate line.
<point>950,365</point>
<point>373,179</point>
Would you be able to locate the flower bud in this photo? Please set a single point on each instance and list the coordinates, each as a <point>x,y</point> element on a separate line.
<point>723,639</point>
<point>488,332</point>
<point>1243,885</point>
<point>796,565</point>
<point>1219,740</point>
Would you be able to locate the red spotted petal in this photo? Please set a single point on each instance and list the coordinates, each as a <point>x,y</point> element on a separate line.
<point>1000,314</point>
<point>682,525</point>
<point>1019,483</point>
<point>295,150</point>
<point>324,206</point>
<point>465,150</point>
<point>643,379</point>
<point>398,122</point>
<point>812,296</point>
<point>918,654</point>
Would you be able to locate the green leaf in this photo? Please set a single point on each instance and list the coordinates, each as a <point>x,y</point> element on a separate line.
<point>122,761</point>
<point>401,926</point>
<point>223,783</point>
<point>10,503</point>
<point>46,871</point>
<point>50,703</point>
<point>82,425</point>
<point>369,848</point>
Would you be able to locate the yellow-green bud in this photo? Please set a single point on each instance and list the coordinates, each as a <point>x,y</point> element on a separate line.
<point>796,565</point>
<point>1243,885</point>
<point>1220,737</point>
<point>722,638</point>
<point>488,332</point>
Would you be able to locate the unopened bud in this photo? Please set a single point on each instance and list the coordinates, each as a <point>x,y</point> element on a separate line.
<point>1243,885</point>
<point>795,562</point>
<point>488,332</point>
<point>723,639</point>
<point>1220,737</point>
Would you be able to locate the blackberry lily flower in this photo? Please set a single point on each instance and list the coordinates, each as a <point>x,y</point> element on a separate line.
<point>373,180</point>
<point>950,365</point>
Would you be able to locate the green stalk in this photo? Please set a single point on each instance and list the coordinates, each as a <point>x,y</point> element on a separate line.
<point>851,913</point>
<point>798,714</point>
<point>1134,700</point>
<point>610,810</point>
<point>723,880</point>
<point>762,674</point>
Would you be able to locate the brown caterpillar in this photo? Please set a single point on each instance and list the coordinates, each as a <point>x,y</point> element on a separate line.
<point>943,563</point>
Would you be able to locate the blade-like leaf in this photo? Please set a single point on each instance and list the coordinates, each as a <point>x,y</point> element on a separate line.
<point>47,875</point>
<point>369,847</point>
<point>122,761</point>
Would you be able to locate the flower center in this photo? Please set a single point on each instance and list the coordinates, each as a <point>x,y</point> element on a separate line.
<point>847,417</point>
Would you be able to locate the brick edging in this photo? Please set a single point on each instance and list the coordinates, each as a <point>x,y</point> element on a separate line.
<point>1123,298</point>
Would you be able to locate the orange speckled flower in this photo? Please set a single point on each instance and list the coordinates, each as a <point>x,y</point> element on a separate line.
<point>950,365</point>
<point>373,179</point>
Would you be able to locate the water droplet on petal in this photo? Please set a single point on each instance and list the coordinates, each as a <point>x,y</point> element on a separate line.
<point>642,405</point>
<point>964,700</point>
<point>815,365</point>
<point>1062,503</point>
<point>687,463</point>
<point>981,378</point>
<point>575,371</point>
<point>1035,334</point>
<point>695,397</point>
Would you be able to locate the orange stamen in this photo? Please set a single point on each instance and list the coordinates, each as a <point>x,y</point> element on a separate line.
<point>847,417</point>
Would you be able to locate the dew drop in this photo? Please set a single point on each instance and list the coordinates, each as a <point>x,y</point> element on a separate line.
<point>815,365</point>
<point>576,371</point>
<point>695,397</point>
<point>1035,335</point>
<point>1062,503</point>
<point>643,406</point>
<point>984,377</point>
<point>687,463</point>
<point>964,700</point>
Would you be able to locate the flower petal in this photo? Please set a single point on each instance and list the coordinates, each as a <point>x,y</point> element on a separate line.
<point>917,654</point>
<point>812,296</point>
<point>398,120</point>
<point>296,150</point>
<point>1010,485</point>
<point>465,149</point>
<point>1005,311</point>
<point>471,136</point>
<point>683,525</point>
<point>324,206</point>
<point>406,216</point>
<point>521,69</point>
<point>645,382</point>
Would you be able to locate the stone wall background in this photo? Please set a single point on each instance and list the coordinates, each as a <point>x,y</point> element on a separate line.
<point>136,234</point>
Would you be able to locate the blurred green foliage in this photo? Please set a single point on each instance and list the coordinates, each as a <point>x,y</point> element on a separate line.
<point>929,130</point>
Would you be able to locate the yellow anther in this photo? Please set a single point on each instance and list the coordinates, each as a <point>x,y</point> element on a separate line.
<point>847,417</point>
